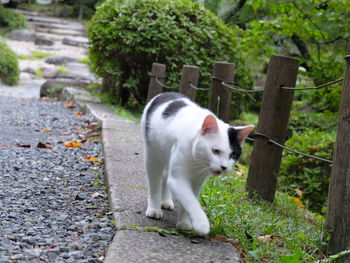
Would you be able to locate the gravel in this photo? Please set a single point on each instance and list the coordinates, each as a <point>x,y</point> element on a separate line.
<point>53,203</point>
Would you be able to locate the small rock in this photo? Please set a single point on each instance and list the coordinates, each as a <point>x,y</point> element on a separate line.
<point>59,60</point>
<point>75,41</point>
<point>43,41</point>
<point>49,71</point>
<point>22,35</point>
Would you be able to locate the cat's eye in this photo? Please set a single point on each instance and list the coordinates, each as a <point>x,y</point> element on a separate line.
<point>234,156</point>
<point>216,151</point>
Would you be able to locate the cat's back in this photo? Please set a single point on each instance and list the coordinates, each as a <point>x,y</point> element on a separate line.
<point>170,113</point>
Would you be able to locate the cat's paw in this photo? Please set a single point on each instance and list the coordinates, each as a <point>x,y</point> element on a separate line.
<point>201,227</point>
<point>168,204</point>
<point>154,213</point>
<point>184,224</point>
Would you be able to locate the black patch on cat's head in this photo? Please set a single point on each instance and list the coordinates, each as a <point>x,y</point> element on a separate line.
<point>173,108</point>
<point>159,100</point>
<point>235,145</point>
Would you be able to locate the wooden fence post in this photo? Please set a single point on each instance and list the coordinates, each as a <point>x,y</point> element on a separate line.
<point>273,121</point>
<point>338,213</point>
<point>189,75</point>
<point>158,70</point>
<point>220,98</point>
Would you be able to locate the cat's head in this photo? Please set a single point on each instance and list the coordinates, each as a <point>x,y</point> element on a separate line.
<point>219,145</point>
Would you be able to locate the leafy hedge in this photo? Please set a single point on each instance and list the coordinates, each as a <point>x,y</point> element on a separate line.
<point>313,133</point>
<point>10,19</point>
<point>9,70</point>
<point>127,36</point>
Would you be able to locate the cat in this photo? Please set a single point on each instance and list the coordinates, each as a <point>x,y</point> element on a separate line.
<point>184,144</point>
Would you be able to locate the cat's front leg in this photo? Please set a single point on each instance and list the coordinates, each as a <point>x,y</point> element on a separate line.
<point>183,192</point>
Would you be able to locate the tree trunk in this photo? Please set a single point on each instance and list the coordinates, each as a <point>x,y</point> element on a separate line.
<point>81,12</point>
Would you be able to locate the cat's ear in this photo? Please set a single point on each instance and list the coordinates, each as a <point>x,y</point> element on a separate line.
<point>210,125</point>
<point>243,132</point>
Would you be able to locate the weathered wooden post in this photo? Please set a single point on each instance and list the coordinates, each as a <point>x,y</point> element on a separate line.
<point>273,121</point>
<point>154,88</point>
<point>189,76</point>
<point>220,98</point>
<point>338,213</point>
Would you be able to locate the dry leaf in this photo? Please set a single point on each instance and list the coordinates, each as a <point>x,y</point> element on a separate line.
<point>92,159</point>
<point>72,144</point>
<point>310,218</point>
<point>78,113</point>
<point>23,145</point>
<point>5,146</point>
<point>44,145</point>
<point>23,104</point>
<point>266,238</point>
<point>104,115</point>
<point>299,192</point>
<point>298,202</point>
<point>224,239</point>
<point>46,129</point>
<point>69,105</point>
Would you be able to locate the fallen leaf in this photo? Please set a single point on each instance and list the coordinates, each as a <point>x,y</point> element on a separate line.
<point>69,105</point>
<point>78,113</point>
<point>299,192</point>
<point>298,202</point>
<point>5,146</point>
<point>23,104</point>
<point>46,129</point>
<point>104,115</point>
<point>44,99</point>
<point>224,239</point>
<point>92,159</point>
<point>310,218</point>
<point>44,145</point>
<point>72,144</point>
<point>23,145</point>
<point>266,238</point>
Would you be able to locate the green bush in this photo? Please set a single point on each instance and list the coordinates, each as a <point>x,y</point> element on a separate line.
<point>10,20</point>
<point>127,36</point>
<point>9,70</point>
<point>309,175</point>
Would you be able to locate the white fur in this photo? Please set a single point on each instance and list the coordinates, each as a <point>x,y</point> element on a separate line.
<point>178,159</point>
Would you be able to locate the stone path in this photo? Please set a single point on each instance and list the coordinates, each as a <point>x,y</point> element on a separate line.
<point>50,49</point>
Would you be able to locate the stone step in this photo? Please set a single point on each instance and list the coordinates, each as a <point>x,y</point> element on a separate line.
<point>62,32</point>
<point>71,26</point>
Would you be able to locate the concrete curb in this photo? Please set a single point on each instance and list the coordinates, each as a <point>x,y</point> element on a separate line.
<point>128,198</point>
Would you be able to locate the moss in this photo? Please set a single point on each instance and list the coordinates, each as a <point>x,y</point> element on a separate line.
<point>9,69</point>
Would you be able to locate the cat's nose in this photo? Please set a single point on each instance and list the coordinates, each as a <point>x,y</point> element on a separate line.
<point>223,168</point>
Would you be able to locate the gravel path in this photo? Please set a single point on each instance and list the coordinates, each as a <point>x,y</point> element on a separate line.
<point>53,204</point>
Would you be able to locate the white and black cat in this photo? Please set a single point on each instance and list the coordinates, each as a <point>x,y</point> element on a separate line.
<point>183,145</point>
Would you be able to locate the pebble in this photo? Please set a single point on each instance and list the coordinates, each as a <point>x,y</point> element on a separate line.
<point>47,212</point>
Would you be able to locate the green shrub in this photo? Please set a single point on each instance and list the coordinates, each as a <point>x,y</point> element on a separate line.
<point>301,121</point>
<point>9,70</point>
<point>10,20</point>
<point>309,175</point>
<point>127,36</point>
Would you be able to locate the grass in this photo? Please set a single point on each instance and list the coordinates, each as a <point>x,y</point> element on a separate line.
<point>39,54</point>
<point>279,232</point>
<point>84,60</point>
<point>62,69</point>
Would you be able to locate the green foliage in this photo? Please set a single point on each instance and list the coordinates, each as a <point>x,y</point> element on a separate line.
<point>10,20</point>
<point>128,36</point>
<point>265,232</point>
<point>9,70</point>
<point>309,175</point>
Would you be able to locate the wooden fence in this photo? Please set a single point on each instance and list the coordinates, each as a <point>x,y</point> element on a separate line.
<point>270,135</point>
<point>223,71</point>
